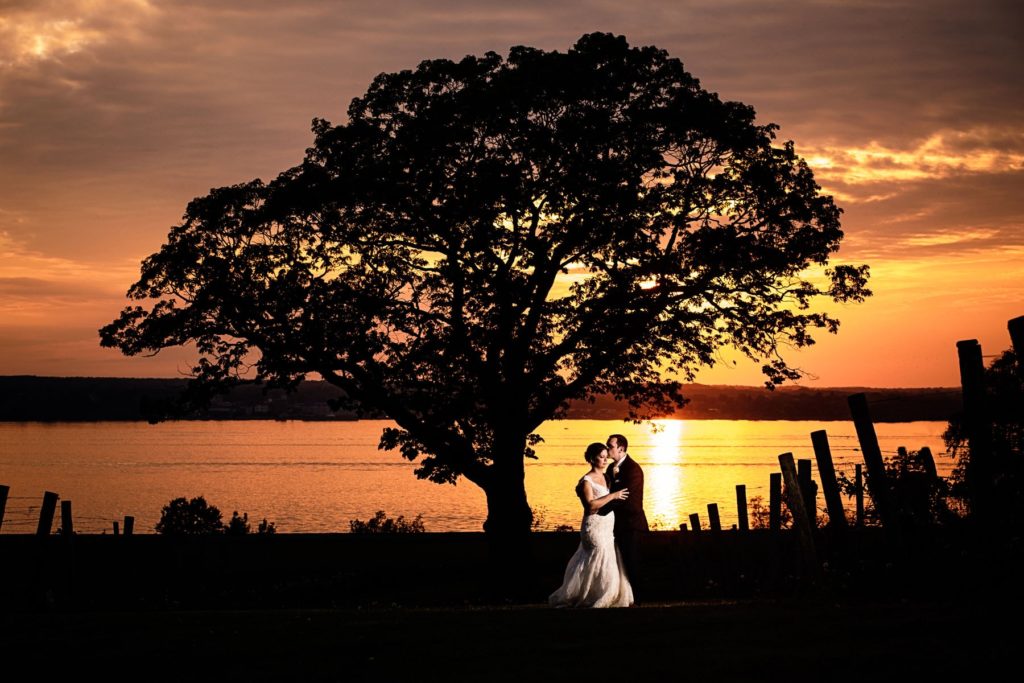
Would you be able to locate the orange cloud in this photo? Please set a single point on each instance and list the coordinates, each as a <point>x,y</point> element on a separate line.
<point>943,154</point>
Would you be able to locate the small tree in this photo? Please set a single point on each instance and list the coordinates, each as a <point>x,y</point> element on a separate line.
<point>182,517</point>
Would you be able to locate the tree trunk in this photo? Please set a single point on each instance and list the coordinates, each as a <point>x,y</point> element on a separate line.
<point>509,520</point>
<point>508,512</point>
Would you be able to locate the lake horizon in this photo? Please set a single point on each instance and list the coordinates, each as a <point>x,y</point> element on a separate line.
<point>316,476</point>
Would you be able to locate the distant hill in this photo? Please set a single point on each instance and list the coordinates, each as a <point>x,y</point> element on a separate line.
<point>723,402</point>
<point>76,399</point>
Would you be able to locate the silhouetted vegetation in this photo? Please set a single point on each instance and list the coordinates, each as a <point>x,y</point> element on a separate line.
<point>921,498</point>
<point>238,525</point>
<point>184,517</point>
<point>1004,408</point>
<point>380,523</point>
<point>415,258</point>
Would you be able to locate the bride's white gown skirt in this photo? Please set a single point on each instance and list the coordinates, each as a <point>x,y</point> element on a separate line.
<point>595,576</point>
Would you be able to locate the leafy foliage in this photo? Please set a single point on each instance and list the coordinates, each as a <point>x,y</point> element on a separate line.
<point>1004,386</point>
<point>238,525</point>
<point>380,523</point>
<point>920,498</point>
<point>484,241</point>
<point>760,514</point>
<point>183,517</point>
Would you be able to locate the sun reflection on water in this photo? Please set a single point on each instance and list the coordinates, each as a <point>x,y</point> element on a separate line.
<point>663,476</point>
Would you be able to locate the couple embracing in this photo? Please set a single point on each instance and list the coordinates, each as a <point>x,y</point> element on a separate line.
<point>604,571</point>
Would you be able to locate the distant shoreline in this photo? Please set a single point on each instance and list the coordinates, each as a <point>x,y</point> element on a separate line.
<point>29,398</point>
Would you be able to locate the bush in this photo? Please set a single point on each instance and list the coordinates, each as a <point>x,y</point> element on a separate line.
<point>382,524</point>
<point>194,517</point>
<point>238,525</point>
<point>182,517</point>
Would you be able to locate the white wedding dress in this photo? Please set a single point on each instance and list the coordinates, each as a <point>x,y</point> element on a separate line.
<point>595,576</point>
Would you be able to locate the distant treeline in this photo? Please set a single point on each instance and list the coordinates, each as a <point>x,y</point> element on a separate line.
<point>30,398</point>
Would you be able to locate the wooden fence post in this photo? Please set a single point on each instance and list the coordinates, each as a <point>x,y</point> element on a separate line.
<point>67,526</point>
<point>129,525</point>
<point>695,521</point>
<point>827,473</point>
<point>4,490</point>
<point>46,513</point>
<point>1016,327</point>
<point>878,484</point>
<point>928,460</point>
<point>741,506</point>
<point>801,521</point>
<point>860,494</point>
<point>713,519</point>
<point>979,435</point>
<point>808,489</point>
<point>775,501</point>
<point>117,528</point>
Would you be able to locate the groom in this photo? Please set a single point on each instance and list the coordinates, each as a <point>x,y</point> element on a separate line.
<point>630,520</point>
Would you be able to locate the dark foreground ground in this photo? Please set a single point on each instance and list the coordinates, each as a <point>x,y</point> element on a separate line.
<point>725,640</point>
<point>342,607</point>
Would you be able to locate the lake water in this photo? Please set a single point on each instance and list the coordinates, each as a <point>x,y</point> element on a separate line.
<point>316,476</point>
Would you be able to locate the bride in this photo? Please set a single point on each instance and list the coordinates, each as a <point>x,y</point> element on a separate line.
<point>595,576</point>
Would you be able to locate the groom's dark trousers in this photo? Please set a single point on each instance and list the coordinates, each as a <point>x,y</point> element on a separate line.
<point>630,519</point>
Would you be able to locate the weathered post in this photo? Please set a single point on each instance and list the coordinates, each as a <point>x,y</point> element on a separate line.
<point>878,484</point>
<point>713,518</point>
<point>117,528</point>
<point>860,494</point>
<point>683,527</point>
<point>775,501</point>
<point>4,490</point>
<point>67,526</point>
<point>46,512</point>
<point>808,489</point>
<point>801,520</point>
<point>827,473</point>
<point>979,436</point>
<point>129,525</point>
<point>928,460</point>
<point>741,507</point>
<point>1016,327</point>
<point>695,521</point>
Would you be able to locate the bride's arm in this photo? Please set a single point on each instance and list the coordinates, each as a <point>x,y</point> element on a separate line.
<point>592,503</point>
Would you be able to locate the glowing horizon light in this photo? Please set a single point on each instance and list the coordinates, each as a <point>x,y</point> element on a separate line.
<point>664,476</point>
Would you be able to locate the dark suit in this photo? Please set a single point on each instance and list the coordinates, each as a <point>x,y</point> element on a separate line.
<point>630,519</point>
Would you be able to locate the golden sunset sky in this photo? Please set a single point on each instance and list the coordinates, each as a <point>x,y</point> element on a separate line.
<point>115,113</point>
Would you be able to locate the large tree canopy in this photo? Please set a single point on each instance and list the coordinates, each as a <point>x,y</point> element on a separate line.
<point>484,240</point>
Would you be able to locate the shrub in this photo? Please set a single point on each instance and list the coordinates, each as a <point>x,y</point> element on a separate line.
<point>194,517</point>
<point>380,523</point>
<point>238,525</point>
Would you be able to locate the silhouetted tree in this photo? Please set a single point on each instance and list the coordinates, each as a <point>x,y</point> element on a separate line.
<point>1004,408</point>
<point>183,517</point>
<point>484,240</point>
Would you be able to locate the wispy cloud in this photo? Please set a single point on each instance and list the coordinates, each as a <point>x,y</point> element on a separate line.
<point>942,154</point>
<point>32,32</point>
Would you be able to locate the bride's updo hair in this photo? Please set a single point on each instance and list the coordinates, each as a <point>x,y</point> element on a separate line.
<point>594,450</point>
